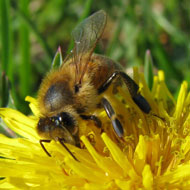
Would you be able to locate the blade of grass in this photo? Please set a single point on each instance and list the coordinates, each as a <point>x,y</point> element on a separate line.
<point>164,62</point>
<point>25,67</point>
<point>85,13</point>
<point>173,31</point>
<point>5,37</point>
<point>6,51</point>
<point>57,60</point>
<point>114,39</point>
<point>4,90</point>
<point>148,69</point>
<point>33,28</point>
<point>6,131</point>
<point>6,99</point>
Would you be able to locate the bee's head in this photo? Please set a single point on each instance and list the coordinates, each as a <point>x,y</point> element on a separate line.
<point>62,126</point>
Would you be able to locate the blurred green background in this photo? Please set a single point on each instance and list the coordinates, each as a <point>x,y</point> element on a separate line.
<point>31,31</point>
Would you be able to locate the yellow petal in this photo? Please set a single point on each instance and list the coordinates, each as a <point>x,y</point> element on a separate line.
<point>111,169</point>
<point>18,122</point>
<point>86,172</point>
<point>33,105</point>
<point>181,100</point>
<point>147,177</point>
<point>119,156</point>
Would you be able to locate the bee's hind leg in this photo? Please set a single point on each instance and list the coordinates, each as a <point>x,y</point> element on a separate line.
<point>118,128</point>
<point>132,87</point>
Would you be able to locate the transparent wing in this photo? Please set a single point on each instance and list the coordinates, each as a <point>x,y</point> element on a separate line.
<point>86,35</point>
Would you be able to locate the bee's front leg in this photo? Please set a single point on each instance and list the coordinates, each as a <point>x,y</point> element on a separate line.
<point>96,120</point>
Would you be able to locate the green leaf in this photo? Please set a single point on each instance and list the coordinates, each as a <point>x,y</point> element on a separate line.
<point>148,69</point>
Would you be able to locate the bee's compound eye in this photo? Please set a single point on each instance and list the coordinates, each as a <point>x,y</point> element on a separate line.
<point>57,122</point>
<point>68,121</point>
<point>44,125</point>
<point>60,118</point>
<point>41,121</point>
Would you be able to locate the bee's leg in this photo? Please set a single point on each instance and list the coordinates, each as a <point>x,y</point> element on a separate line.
<point>42,145</point>
<point>132,87</point>
<point>96,120</point>
<point>111,114</point>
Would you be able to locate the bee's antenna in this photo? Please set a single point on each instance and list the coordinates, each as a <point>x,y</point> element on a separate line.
<point>62,143</point>
<point>42,145</point>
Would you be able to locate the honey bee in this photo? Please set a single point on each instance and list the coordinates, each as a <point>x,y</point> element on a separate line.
<point>77,88</point>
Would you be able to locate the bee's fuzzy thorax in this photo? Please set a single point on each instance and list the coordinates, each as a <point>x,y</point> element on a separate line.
<point>87,97</point>
<point>53,77</point>
<point>81,101</point>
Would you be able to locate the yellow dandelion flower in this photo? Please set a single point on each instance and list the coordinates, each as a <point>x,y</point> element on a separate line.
<point>154,153</point>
